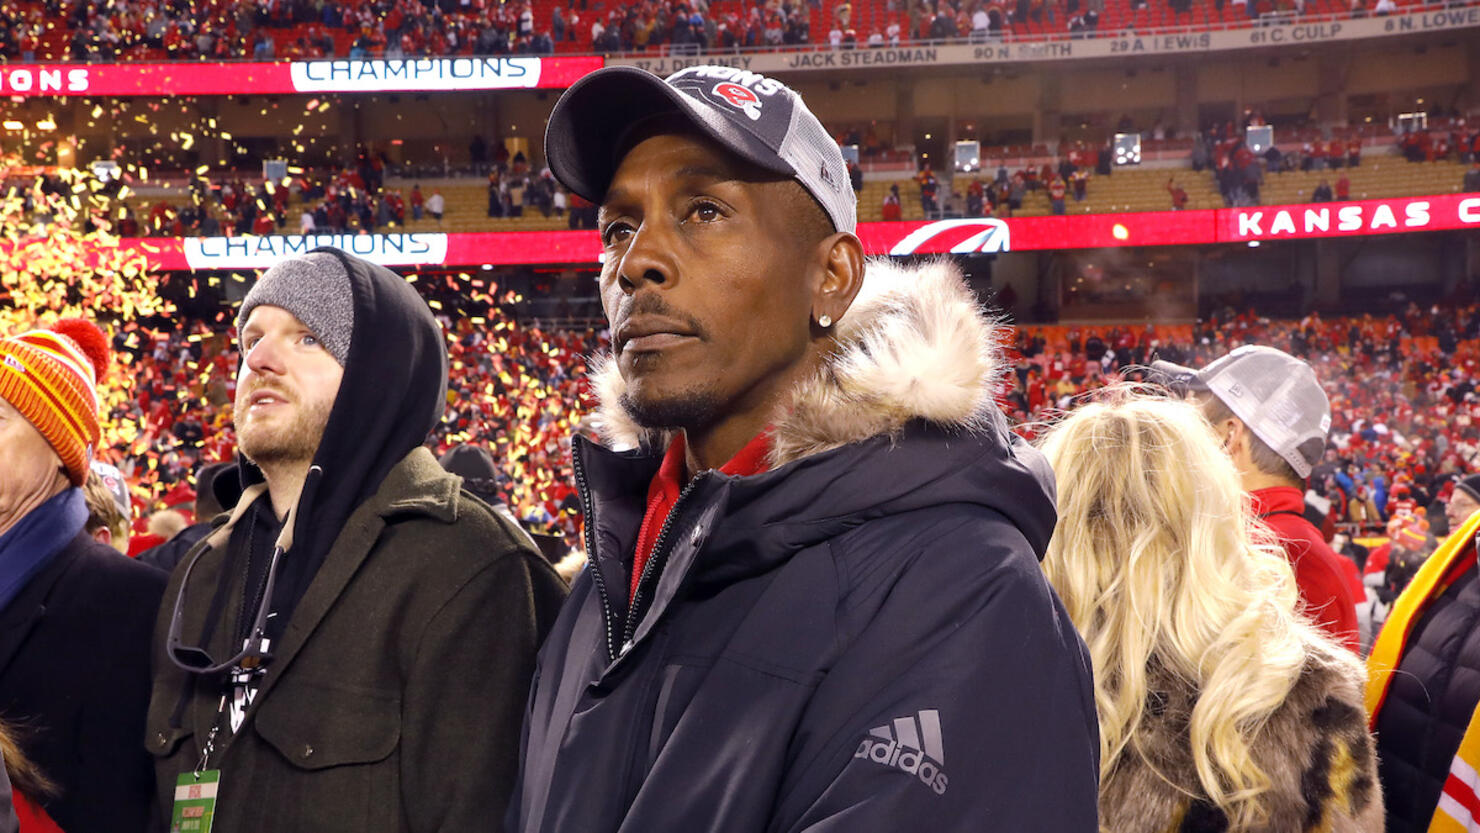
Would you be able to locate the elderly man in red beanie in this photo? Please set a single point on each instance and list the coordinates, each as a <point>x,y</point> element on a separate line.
<point>75,615</point>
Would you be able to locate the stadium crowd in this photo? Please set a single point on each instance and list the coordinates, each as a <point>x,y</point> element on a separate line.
<point>266,30</point>
<point>518,391</point>
<point>1403,392</point>
<point>521,392</point>
<point>1241,172</point>
<point>274,29</point>
<point>348,200</point>
<point>814,553</point>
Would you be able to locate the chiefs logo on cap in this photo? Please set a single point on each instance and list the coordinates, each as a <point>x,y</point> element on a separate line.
<point>741,98</point>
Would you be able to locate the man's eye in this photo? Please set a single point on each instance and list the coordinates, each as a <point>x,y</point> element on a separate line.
<point>615,233</point>
<point>707,212</point>
<point>310,339</point>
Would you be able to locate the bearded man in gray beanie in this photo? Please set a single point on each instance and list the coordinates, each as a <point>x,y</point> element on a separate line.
<point>352,648</point>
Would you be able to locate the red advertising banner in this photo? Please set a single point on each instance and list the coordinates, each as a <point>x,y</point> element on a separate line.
<point>1081,231</point>
<point>1348,219</point>
<point>324,76</point>
<point>956,236</point>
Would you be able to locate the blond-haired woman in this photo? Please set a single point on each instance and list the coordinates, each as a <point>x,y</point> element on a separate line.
<point>1221,707</point>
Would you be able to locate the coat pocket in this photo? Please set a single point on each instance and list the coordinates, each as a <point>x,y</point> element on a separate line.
<point>164,740</point>
<point>329,753</point>
<point>320,727</point>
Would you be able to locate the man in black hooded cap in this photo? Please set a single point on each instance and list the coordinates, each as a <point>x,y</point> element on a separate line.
<point>351,649</point>
<point>1463,502</point>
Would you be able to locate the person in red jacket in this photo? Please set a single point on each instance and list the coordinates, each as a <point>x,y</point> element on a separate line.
<point>891,211</point>
<point>1056,193</point>
<point>22,787</point>
<point>1269,410</point>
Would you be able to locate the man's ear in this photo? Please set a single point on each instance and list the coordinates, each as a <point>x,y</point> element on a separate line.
<point>841,278</point>
<point>1239,447</point>
<point>1227,431</point>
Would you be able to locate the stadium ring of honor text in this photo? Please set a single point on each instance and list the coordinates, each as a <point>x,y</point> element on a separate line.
<point>1109,46</point>
<point>559,72</point>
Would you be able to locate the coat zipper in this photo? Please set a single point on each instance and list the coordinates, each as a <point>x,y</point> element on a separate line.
<point>658,557</point>
<point>588,510</point>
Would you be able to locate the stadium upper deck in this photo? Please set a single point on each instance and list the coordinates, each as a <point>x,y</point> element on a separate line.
<point>152,31</point>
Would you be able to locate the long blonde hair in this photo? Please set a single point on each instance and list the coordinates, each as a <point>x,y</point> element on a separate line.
<point>1159,561</point>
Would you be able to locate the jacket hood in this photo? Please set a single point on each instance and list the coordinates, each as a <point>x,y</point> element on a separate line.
<point>901,415</point>
<point>392,395</point>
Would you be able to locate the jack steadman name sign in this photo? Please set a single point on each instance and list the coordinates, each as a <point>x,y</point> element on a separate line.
<point>1190,43</point>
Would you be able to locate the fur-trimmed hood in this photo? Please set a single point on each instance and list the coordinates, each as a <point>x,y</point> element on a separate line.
<point>901,417</point>
<point>915,344</point>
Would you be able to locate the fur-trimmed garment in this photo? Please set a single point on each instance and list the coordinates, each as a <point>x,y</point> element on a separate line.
<point>859,639</point>
<point>1315,749</point>
<point>914,345</point>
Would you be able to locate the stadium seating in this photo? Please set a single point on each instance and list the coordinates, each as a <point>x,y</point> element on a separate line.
<point>1377,178</point>
<point>1127,190</point>
<point>467,210</point>
<point>867,16</point>
<point>871,200</point>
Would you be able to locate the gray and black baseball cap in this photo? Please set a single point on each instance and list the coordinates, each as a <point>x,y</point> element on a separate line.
<point>757,118</point>
<point>1274,393</point>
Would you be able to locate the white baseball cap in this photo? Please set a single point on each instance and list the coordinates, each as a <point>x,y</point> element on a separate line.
<point>1274,393</point>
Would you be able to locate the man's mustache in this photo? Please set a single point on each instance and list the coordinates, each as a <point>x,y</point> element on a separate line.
<point>648,303</point>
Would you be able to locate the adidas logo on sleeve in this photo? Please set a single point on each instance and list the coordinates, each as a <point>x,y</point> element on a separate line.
<point>912,744</point>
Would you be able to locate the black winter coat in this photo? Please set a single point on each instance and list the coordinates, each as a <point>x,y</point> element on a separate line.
<point>860,639</point>
<point>74,679</point>
<point>1429,705</point>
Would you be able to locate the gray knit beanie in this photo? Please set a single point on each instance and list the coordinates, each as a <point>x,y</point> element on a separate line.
<point>314,287</point>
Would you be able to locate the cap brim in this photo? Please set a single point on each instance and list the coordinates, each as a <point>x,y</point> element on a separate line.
<point>593,118</point>
<point>1176,375</point>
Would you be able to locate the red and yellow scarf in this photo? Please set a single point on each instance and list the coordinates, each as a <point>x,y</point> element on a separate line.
<point>1459,804</point>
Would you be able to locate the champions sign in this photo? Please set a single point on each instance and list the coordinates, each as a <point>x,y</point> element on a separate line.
<point>220,78</point>
<point>416,74</point>
<point>253,252</point>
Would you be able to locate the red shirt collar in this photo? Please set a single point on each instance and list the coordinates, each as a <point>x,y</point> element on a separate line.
<point>668,484</point>
<point>747,461</point>
<point>1278,499</point>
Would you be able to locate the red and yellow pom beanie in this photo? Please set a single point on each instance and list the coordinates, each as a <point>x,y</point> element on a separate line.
<point>51,377</point>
